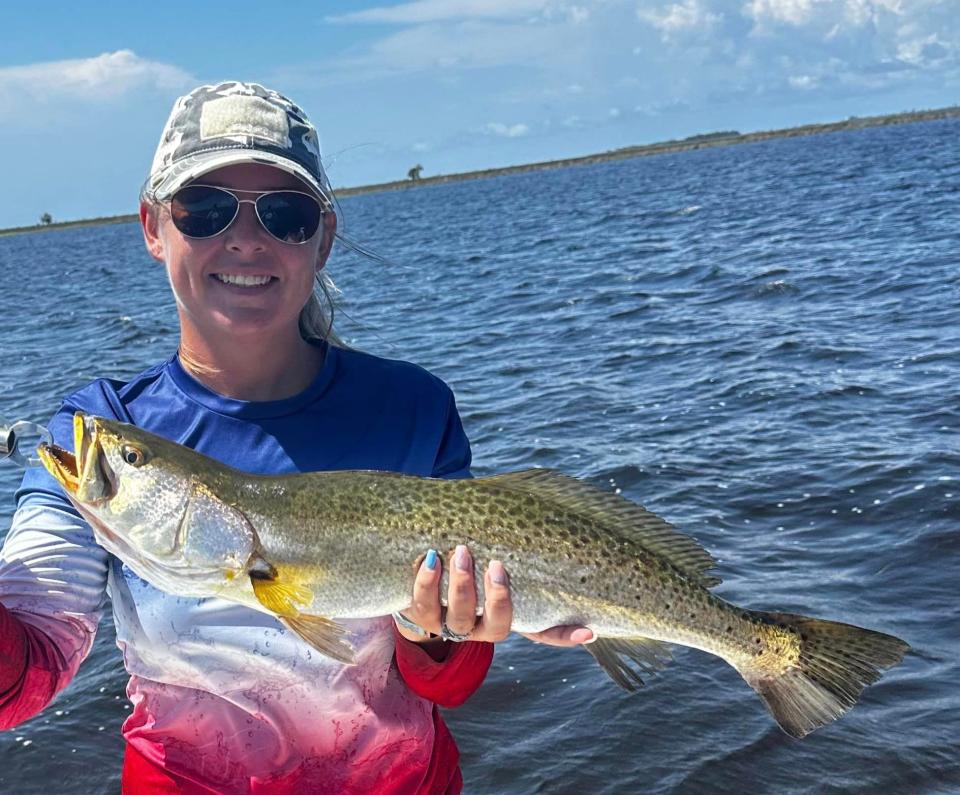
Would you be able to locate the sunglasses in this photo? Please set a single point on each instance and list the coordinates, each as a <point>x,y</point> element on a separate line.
<point>291,216</point>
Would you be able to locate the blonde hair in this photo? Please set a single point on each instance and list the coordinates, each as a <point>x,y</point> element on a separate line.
<point>316,317</point>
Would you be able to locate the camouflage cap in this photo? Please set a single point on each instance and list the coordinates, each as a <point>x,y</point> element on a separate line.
<point>234,122</point>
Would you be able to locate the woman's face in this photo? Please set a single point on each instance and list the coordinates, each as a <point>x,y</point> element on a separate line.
<point>201,271</point>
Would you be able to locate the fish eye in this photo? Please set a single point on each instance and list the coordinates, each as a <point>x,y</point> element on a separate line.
<point>133,455</point>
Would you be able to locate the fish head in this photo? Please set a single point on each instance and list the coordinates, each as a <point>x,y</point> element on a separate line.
<point>149,502</point>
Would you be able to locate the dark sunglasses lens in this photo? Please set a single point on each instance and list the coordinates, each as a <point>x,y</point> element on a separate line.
<point>289,216</point>
<point>199,211</point>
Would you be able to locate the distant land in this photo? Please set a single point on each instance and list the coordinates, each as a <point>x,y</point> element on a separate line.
<point>701,141</point>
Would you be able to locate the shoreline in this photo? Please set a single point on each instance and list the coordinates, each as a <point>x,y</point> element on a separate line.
<point>693,142</point>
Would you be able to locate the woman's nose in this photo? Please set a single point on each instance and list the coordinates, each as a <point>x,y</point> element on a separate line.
<point>246,233</point>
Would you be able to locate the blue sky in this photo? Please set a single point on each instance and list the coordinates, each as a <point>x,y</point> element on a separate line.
<point>453,85</point>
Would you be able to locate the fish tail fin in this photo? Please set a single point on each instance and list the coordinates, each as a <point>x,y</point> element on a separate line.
<point>827,673</point>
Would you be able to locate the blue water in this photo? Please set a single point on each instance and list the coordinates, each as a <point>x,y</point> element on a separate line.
<point>759,342</point>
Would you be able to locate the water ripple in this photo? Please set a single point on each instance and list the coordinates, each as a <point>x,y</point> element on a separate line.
<point>759,343</point>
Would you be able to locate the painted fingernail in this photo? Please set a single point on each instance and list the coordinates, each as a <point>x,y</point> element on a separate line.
<point>462,558</point>
<point>498,574</point>
<point>430,561</point>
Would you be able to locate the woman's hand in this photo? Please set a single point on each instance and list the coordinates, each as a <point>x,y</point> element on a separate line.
<point>461,611</point>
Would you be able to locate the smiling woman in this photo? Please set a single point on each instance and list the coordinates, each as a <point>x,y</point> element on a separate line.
<point>238,209</point>
<point>239,291</point>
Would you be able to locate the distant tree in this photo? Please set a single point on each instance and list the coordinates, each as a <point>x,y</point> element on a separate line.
<point>414,173</point>
<point>46,218</point>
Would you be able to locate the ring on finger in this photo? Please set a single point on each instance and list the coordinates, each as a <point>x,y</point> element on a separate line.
<point>409,625</point>
<point>448,634</point>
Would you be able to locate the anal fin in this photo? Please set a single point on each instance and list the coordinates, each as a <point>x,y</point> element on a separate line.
<point>614,654</point>
<point>322,634</point>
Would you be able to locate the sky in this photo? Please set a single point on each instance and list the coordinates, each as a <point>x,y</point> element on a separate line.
<point>452,85</point>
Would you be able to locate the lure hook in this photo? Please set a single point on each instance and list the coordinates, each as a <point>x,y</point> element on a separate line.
<point>11,441</point>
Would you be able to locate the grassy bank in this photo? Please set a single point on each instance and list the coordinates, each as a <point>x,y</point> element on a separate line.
<point>684,145</point>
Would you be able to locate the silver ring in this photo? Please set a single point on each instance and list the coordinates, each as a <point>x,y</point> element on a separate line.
<point>448,634</point>
<point>407,624</point>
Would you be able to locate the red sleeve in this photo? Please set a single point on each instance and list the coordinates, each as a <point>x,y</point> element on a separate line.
<point>31,670</point>
<point>448,683</point>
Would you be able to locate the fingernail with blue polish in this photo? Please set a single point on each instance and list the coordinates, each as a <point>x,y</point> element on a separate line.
<point>430,561</point>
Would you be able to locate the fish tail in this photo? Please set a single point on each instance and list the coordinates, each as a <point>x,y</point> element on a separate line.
<point>810,672</point>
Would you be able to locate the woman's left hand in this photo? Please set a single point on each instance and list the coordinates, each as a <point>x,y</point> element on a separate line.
<point>461,612</point>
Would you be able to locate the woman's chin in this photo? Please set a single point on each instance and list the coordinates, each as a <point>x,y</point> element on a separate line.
<point>239,324</point>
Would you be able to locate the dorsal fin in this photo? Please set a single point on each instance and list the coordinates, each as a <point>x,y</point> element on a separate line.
<point>618,515</point>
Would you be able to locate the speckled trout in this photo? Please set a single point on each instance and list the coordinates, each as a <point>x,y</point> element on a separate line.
<point>309,547</point>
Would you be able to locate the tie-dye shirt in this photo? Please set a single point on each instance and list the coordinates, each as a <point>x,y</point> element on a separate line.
<point>223,696</point>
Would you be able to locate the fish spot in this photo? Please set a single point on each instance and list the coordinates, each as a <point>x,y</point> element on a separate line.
<point>729,629</point>
<point>583,579</point>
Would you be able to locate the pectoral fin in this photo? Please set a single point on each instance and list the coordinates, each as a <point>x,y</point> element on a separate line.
<point>323,634</point>
<point>613,653</point>
<point>283,598</point>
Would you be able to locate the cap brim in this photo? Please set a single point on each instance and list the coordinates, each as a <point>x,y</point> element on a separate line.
<point>197,165</point>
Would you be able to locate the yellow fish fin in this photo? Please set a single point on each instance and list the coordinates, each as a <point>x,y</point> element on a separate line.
<point>283,598</point>
<point>613,653</point>
<point>324,635</point>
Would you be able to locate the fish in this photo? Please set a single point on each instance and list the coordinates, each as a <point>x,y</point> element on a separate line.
<point>314,548</point>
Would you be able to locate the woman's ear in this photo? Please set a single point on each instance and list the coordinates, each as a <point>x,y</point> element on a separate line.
<point>150,223</point>
<point>329,230</point>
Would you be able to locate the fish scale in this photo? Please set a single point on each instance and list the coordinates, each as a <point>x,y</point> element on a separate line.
<point>314,547</point>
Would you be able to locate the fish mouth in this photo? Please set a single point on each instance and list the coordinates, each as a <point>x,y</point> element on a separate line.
<point>62,464</point>
<point>84,475</point>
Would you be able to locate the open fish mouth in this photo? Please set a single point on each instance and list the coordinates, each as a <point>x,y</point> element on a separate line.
<point>62,464</point>
<point>84,474</point>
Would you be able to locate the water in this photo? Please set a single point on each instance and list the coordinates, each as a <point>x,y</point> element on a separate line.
<point>759,343</point>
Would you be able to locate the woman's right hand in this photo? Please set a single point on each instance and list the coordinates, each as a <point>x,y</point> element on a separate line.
<point>460,614</point>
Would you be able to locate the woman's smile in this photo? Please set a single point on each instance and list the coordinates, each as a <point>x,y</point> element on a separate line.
<point>244,280</point>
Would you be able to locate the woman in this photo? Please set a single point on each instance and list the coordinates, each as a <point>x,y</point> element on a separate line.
<point>237,207</point>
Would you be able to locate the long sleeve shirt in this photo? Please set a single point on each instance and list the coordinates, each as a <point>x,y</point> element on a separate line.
<point>224,698</point>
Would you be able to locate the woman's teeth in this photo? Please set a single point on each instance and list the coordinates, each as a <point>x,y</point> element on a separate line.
<point>243,281</point>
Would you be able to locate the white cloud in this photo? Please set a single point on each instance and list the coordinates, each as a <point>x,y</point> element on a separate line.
<point>438,48</point>
<point>506,131</point>
<point>792,12</point>
<point>833,14</point>
<point>103,77</point>
<point>925,50</point>
<point>699,48</point>
<point>805,82</point>
<point>683,16</point>
<point>767,45</point>
<point>426,11</point>
<point>561,65</point>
